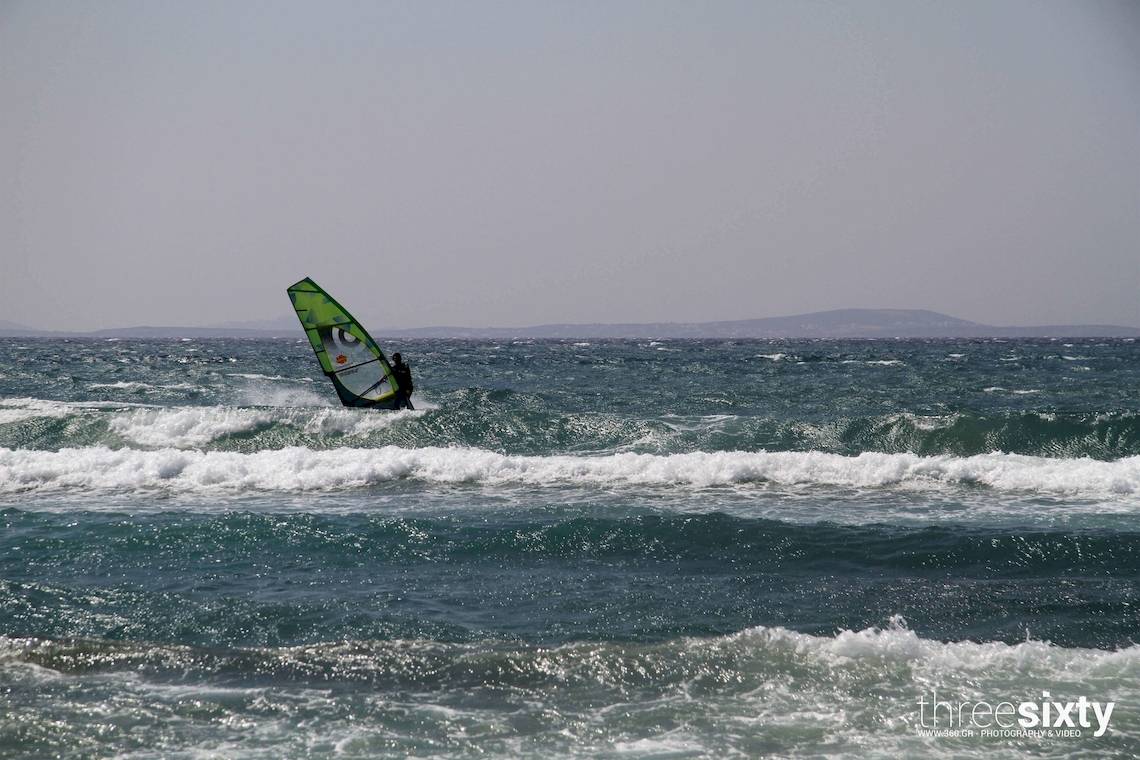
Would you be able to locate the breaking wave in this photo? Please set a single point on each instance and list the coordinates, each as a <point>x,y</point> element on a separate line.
<point>304,469</point>
<point>755,651</point>
<point>851,691</point>
<point>484,420</point>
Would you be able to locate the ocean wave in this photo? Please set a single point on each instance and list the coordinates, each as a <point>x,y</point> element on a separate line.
<point>755,651</point>
<point>192,427</point>
<point>20,409</point>
<point>135,385</point>
<point>304,469</point>
<point>14,410</point>
<point>122,385</point>
<point>152,426</point>
<point>761,691</point>
<point>744,544</point>
<point>294,415</point>
<point>1101,436</point>
<point>258,376</point>
<point>187,426</point>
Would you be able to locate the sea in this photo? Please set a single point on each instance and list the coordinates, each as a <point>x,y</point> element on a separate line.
<point>602,549</point>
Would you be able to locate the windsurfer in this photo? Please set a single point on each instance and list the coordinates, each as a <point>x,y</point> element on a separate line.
<point>403,374</point>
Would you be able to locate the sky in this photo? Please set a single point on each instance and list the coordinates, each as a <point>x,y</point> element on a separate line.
<point>518,163</point>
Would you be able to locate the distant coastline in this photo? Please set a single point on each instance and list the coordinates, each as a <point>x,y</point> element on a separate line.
<point>840,323</point>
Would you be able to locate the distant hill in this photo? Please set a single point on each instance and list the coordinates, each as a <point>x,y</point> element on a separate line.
<point>193,332</point>
<point>13,329</point>
<point>840,323</point>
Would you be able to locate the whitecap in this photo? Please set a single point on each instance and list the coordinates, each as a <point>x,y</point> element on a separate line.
<point>303,469</point>
<point>122,385</point>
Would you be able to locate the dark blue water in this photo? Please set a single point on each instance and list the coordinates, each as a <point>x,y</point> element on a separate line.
<point>654,548</point>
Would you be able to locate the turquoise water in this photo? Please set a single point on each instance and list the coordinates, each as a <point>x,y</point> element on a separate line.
<point>616,548</point>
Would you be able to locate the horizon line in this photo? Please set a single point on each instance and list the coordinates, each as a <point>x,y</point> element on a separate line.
<point>255,326</point>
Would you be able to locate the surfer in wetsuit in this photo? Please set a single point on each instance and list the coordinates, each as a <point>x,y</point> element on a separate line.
<point>403,374</point>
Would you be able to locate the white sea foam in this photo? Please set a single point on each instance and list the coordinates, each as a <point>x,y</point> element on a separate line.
<point>697,422</point>
<point>676,743</point>
<point>197,426</point>
<point>773,357</point>
<point>776,646</point>
<point>853,693</point>
<point>896,643</point>
<point>257,376</point>
<point>155,426</point>
<point>301,469</point>
<point>20,409</point>
<point>352,422</point>
<point>187,426</point>
<point>121,385</point>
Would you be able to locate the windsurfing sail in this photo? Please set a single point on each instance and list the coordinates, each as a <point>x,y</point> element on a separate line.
<point>350,358</point>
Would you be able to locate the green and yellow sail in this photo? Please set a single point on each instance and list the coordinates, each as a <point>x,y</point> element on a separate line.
<point>350,358</point>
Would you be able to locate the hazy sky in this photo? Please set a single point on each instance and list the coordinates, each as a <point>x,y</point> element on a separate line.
<point>485,163</point>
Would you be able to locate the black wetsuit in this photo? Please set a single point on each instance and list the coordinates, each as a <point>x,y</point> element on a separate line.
<point>403,374</point>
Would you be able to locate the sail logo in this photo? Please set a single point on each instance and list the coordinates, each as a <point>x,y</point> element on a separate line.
<point>341,359</point>
<point>1044,718</point>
